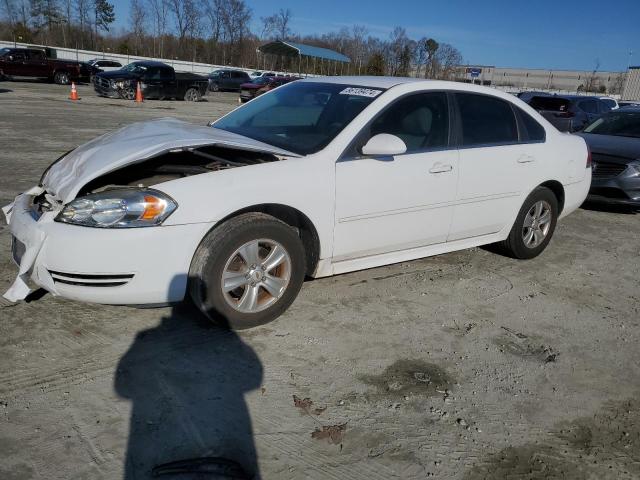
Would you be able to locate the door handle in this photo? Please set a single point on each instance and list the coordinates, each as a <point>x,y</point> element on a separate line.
<point>526,159</point>
<point>441,168</point>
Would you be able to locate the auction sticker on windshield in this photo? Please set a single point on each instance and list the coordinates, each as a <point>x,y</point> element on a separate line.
<point>361,92</point>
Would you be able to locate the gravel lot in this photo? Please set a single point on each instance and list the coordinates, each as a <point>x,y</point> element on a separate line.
<point>464,366</point>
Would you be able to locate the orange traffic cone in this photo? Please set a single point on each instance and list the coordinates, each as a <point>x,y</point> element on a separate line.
<point>74,93</point>
<point>139,98</point>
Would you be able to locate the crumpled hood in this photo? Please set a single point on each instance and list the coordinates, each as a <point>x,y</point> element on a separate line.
<point>135,143</point>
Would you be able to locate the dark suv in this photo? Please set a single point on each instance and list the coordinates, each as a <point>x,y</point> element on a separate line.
<point>569,113</point>
<point>227,80</point>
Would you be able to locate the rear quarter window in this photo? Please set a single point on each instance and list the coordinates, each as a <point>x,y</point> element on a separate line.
<point>533,131</point>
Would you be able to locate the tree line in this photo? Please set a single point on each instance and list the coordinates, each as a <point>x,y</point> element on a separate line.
<point>218,32</point>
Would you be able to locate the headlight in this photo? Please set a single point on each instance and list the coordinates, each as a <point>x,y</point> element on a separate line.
<point>119,208</point>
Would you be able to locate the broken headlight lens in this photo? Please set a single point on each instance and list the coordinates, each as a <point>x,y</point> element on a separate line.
<point>119,208</point>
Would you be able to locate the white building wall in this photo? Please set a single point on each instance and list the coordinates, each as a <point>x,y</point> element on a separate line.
<point>632,86</point>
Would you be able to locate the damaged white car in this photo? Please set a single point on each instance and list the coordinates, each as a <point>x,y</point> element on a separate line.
<point>316,178</point>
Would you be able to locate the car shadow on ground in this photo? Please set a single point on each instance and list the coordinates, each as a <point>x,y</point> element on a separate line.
<point>186,380</point>
<point>610,208</point>
<point>5,90</point>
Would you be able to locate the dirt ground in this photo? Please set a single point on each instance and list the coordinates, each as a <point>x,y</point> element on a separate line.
<point>463,366</point>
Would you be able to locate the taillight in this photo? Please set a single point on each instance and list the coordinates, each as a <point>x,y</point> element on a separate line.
<point>589,160</point>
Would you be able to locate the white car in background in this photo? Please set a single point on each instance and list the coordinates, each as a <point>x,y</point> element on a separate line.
<point>104,64</point>
<point>318,177</point>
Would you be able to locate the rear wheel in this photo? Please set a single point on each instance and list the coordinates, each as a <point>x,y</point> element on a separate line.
<point>247,271</point>
<point>534,225</point>
<point>61,78</point>
<point>192,95</point>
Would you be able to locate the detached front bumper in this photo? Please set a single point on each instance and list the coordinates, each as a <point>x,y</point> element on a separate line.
<point>135,266</point>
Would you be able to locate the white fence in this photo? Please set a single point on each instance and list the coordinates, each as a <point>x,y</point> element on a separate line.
<point>84,55</point>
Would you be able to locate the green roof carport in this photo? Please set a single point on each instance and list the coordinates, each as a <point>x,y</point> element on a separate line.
<point>291,49</point>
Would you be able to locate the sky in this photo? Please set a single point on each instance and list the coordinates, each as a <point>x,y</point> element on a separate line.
<point>534,34</point>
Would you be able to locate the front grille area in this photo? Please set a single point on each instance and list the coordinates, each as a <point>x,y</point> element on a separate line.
<point>602,169</point>
<point>101,85</point>
<point>91,280</point>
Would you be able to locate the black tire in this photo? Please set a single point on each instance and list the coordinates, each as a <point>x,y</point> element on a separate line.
<point>192,95</point>
<point>515,246</point>
<point>128,93</point>
<point>216,251</point>
<point>61,78</point>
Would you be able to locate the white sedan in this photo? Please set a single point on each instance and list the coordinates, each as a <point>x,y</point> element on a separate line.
<point>318,177</point>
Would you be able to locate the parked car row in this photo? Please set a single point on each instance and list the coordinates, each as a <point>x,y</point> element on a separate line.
<point>612,132</point>
<point>569,113</point>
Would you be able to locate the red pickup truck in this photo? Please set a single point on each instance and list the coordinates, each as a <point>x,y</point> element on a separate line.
<point>33,62</point>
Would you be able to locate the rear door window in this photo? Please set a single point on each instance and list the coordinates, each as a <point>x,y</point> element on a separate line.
<point>486,120</point>
<point>589,106</point>
<point>166,74</point>
<point>36,55</point>
<point>550,104</point>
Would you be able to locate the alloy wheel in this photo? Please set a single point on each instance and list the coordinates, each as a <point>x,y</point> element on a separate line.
<point>256,275</point>
<point>537,223</point>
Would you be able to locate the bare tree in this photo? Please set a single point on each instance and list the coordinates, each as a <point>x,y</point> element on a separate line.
<point>83,12</point>
<point>277,25</point>
<point>160,10</point>
<point>137,17</point>
<point>213,11</point>
<point>236,16</point>
<point>591,82</point>
<point>618,83</point>
<point>10,12</point>
<point>445,62</point>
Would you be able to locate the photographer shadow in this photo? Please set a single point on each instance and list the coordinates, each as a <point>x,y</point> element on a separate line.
<point>187,380</point>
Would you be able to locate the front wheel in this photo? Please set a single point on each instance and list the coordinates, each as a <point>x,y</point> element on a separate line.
<point>247,271</point>
<point>128,93</point>
<point>534,225</point>
<point>192,95</point>
<point>61,78</point>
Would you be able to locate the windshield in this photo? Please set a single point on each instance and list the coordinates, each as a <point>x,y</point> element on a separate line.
<point>135,68</point>
<point>301,117</point>
<point>620,124</point>
<point>4,51</point>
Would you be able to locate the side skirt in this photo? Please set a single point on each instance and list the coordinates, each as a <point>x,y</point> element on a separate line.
<point>372,261</point>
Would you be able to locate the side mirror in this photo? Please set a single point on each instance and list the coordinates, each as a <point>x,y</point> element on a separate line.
<point>384,144</point>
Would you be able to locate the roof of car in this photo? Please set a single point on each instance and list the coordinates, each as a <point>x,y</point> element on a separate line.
<point>228,70</point>
<point>364,81</point>
<point>151,63</point>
